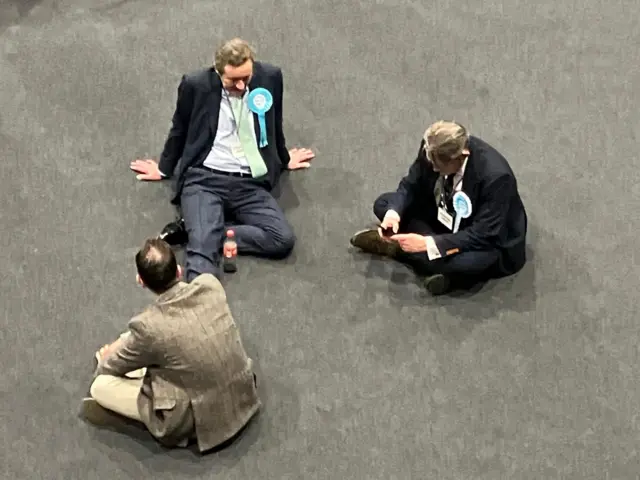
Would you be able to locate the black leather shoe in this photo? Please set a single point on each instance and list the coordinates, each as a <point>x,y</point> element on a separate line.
<point>99,416</point>
<point>437,284</point>
<point>174,233</point>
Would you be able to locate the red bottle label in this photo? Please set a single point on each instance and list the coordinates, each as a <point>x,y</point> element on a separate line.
<point>230,249</point>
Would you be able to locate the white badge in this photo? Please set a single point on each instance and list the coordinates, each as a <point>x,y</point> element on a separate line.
<point>445,218</point>
<point>237,150</point>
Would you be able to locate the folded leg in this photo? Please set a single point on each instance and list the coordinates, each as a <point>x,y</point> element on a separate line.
<point>117,394</point>
<point>473,264</point>
<point>261,227</point>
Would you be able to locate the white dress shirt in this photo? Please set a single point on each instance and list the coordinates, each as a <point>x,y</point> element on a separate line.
<point>221,156</point>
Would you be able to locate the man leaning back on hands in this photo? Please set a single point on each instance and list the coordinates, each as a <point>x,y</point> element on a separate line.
<point>226,150</point>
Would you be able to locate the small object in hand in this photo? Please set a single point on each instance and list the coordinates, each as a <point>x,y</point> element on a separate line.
<point>387,232</point>
<point>229,253</point>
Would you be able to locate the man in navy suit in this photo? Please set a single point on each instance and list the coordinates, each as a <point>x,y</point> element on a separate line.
<point>226,160</point>
<point>418,221</point>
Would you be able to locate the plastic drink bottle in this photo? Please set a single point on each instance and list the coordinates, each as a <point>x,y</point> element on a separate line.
<point>229,253</point>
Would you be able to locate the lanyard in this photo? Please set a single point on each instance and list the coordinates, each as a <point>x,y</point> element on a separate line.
<point>455,185</point>
<point>444,199</point>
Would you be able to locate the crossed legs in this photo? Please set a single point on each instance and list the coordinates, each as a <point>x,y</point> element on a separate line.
<point>117,394</point>
<point>465,267</point>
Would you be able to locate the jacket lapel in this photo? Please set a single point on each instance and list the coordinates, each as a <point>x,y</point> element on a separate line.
<point>470,184</point>
<point>256,82</point>
<point>214,102</point>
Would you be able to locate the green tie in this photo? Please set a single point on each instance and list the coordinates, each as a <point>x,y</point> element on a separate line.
<point>247,139</point>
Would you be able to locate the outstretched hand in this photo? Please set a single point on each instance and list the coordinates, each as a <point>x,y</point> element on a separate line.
<point>146,169</point>
<point>300,158</point>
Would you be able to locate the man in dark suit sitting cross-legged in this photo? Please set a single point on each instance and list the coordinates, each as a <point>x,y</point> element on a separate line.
<point>456,216</point>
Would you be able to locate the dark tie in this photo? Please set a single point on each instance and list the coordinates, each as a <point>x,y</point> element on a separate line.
<point>448,191</point>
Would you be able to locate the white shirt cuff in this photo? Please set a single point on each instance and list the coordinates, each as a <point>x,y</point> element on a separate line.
<point>392,214</point>
<point>162,174</point>
<point>432,249</point>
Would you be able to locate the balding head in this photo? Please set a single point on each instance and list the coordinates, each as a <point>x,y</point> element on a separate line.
<point>157,266</point>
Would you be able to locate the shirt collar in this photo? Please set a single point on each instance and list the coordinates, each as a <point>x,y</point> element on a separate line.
<point>463,167</point>
<point>228,95</point>
<point>460,172</point>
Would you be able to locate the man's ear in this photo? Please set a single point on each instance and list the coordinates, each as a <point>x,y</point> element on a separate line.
<point>139,280</point>
<point>179,272</point>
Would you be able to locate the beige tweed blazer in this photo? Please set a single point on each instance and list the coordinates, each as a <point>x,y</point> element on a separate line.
<point>199,380</point>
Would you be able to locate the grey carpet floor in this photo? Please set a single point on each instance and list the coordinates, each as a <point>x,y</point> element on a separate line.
<point>364,376</point>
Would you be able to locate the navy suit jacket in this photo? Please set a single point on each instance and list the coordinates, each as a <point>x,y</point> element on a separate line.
<point>498,218</point>
<point>195,123</point>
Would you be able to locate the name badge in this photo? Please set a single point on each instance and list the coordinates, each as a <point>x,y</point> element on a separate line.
<point>445,218</point>
<point>237,150</point>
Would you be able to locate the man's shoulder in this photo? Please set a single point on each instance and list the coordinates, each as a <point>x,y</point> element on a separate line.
<point>206,280</point>
<point>420,165</point>
<point>143,322</point>
<point>490,161</point>
<point>268,69</point>
<point>198,78</point>
<point>204,291</point>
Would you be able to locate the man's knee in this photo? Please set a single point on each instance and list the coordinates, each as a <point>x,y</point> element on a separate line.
<point>381,205</point>
<point>101,387</point>
<point>283,241</point>
<point>479,263</point>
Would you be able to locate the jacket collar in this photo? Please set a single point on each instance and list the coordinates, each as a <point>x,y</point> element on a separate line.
<point>171,293</point>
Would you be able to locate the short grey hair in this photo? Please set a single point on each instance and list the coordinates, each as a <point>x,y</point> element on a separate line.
<point>445,140</point>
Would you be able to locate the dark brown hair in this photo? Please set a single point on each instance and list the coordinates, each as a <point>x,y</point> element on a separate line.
<point>157,265</point>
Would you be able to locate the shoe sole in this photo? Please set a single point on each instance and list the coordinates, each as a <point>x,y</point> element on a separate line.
<point>376,247</point>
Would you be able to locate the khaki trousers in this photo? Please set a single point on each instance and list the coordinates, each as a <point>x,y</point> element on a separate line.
<point>119,394</point>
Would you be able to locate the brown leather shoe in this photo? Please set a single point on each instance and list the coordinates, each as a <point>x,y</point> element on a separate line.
<point>370,241</point>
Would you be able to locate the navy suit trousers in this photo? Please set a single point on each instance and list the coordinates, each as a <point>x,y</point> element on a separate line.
<point>476,264</point>
<point>212,203</point>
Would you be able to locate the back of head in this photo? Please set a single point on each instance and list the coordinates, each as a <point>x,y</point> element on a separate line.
<point>446,141</point>
<point>234,52</point>
<point>157,265</point>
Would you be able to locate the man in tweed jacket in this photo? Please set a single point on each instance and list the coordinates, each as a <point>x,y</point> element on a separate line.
<point>181,368</point>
